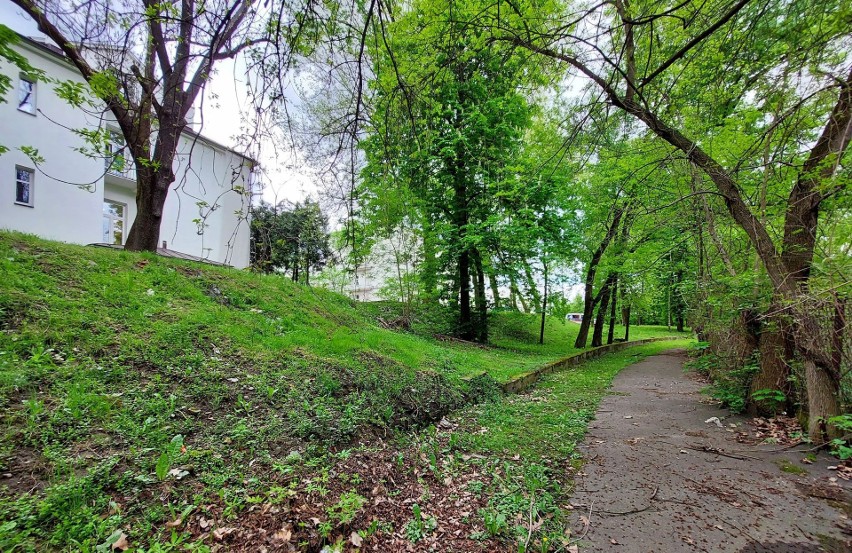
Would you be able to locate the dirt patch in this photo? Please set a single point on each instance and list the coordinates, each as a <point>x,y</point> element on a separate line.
<point>387,484</point>
<point>24,471</point>
<point>666,472</point>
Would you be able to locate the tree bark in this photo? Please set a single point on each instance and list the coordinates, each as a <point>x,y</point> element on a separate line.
<point>610,337</point>
<point>591,272</point>
<point>600,320</point>
<point>536,297</point>
<point>544,307</point>
<point>481,330</point>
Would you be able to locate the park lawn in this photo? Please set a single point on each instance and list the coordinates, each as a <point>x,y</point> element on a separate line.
<point>122,374</point>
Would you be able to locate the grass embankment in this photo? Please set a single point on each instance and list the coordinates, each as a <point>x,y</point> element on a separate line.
<point>162,399</point>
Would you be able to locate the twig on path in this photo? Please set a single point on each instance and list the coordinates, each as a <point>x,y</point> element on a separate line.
<point>632,511</point>
<point>717,451</point>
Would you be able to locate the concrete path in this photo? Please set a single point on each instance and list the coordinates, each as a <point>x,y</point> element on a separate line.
<point>655,479</point>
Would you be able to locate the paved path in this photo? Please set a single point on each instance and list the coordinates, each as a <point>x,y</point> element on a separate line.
<point>643,489</point>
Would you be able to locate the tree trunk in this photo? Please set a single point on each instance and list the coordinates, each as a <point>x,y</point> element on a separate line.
<point>774,374</point>
<point>495,289</point>
<point>610,337</point>
<point>591,272</point>
<point>152,187</point>
<point>481,330</point>
<point>823,392</point>
<point>536,297</point>
<point>626,312</point>
<point>600,320</point>
<point>544,308</point>
<point>516,294</point>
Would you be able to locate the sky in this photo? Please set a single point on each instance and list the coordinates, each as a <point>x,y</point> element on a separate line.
<point>223,115</point>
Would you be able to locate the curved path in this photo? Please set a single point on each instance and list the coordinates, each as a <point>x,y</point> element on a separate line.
<point>658,478</point>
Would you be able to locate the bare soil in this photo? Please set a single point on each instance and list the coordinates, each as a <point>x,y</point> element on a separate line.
<point>659,478</point>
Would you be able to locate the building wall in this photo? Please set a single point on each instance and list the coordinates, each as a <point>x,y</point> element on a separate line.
<point>64,210</point>
<point>60,209</point>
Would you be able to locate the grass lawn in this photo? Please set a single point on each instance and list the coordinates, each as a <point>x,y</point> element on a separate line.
<point>133,387</point>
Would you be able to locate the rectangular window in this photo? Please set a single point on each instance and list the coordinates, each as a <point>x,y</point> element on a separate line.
<point>113,223</point>
<point>27,95</point>
<point>24,186</point>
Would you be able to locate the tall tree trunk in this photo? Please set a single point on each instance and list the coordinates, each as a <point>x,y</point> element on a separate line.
<point>479,296</point>
<point>600,320</point>
<point>492,283</point>
<point>544,307</point>
<point>626,312</point>
<point>610,337</point>
<point>591,272</point>
<point>536,297</point>
<point>516,293</point>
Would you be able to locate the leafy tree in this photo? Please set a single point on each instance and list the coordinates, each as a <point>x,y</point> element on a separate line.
<point>294,240</point>
<point>734,58</point>
<point>147,62</point>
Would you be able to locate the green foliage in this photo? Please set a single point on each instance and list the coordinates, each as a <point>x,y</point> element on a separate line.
<point>347,508</point>
<point>294,239</point>
<point>731,387</point>
<point>419,526</point>
<point>168,456</point>
<point>842,447</point>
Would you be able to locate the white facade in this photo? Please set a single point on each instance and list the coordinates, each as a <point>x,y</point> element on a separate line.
<point>76,198</point>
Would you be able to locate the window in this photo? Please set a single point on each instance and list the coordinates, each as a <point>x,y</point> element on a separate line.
<point>113,224</point>
<point>24,186</point>
<point>27,95</point>
<point>117,161</point>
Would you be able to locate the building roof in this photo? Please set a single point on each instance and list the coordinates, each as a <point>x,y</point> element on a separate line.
<point>56,52</point>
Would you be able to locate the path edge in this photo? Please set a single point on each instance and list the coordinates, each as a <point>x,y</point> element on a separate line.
<point>524,381</point>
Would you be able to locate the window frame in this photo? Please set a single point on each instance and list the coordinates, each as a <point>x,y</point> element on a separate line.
<point>111,217</point>
<point>22,78</point>
<point>31,184</point>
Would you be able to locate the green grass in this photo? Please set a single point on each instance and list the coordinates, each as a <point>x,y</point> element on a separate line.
<point>121,372</point>
<point>548,421</point>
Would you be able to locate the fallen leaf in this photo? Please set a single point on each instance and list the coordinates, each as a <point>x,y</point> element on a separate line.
<point>174,523</point>
<point>573,549</point>
<point>355,539</point>
<point>121,544</point>
<point>220,533</point>
<point>283,535</point>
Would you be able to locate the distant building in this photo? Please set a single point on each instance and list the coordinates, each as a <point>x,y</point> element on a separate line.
<point>574,317</point>
<point>81,199</point>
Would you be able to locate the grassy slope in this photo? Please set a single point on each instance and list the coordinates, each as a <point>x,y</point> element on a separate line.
<point>106,357</point>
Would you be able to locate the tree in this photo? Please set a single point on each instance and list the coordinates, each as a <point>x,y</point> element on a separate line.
<point>294,240</point>
<point>648,65</point>
<point>447,118</point>
<point>148,62</point>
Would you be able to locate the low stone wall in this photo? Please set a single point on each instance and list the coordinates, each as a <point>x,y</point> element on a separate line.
<point>521,383</point>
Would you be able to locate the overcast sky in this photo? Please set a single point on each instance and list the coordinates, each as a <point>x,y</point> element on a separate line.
<point>223,119</point>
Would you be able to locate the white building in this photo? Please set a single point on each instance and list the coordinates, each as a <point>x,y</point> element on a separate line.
<point>73,197</point>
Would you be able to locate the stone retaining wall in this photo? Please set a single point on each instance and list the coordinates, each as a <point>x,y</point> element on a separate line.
<point>521,383</point>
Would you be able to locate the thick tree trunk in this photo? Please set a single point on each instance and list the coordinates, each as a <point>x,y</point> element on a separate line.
<point>774,374</point>
<point>151,191</point>
<point>626,312</point>
<point>823,403</point>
